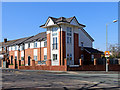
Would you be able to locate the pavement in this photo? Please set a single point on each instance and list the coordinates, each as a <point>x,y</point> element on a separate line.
<point>52,80</point>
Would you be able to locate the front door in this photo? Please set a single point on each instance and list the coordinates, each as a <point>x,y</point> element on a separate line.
<point>28,60</point>
<point>11,59</point>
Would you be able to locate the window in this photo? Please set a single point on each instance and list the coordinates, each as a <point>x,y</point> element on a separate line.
<point>35,44</point>
<point>22,58</point>
<point>15,47</point>
<point>45,43</point>
<point>22,47</point>
<point>70,56</point>
<point>28,45</point>
<point>35,58</point>
<point>81,45</point>
<point>16,57</point>
<point>45,57</point>
<point>69,35</point>
<point>54,31</point>
<point>54,56</point>
<point>92,57</point>
<point>55,43</point>
<point>82,56</point>
<point>11,48</point>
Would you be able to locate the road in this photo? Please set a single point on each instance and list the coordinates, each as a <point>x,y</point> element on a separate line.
<point>61,80</point>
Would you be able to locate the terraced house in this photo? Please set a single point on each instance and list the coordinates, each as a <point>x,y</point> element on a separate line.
<point>65,38</point>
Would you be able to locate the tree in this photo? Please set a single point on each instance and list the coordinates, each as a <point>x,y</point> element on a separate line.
<point>114,50</point>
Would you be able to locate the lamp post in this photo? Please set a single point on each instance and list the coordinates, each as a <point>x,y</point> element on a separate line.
<point>107,42</point>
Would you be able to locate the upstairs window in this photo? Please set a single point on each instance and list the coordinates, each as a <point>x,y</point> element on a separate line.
<point>22,47</point>
<point>69,35</point>
<point>55,43</point>
<point>54,31</point>
<point>35,44</point>
<point>45,43</point>
<point>28,45</point>
<point>11,48</point>
<point>15,47</point>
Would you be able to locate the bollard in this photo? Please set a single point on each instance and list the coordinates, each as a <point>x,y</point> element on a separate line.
<point>33,62</point>
<point>80,62</point>
<point>65,62</point>
<point>95,61</point>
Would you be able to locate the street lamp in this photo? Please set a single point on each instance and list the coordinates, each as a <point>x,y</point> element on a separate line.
<point>107,42</point>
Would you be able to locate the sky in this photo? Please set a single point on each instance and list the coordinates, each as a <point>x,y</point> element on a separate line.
<point>22,19</point>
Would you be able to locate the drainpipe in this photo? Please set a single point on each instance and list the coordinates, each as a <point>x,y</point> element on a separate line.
<point>40,50</point>
<point>60,42</point>
<point>24,53</point>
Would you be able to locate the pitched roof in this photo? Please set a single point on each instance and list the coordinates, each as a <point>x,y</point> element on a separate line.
<point>39,36</point>
<point>92,50</point>
<point>21,40</point>
<point>63,19</point>
<point>7,43</point>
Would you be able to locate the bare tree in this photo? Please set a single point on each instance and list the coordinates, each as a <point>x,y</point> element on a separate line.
<point>115,50</point>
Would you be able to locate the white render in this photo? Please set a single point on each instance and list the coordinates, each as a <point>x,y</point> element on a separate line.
<point>42,43</point>
<point>9,48</point>
<point>26,45</point>
<point>83,38</point>
<point>32,45</point>
<point>38,44</point>
<point>0,48</point>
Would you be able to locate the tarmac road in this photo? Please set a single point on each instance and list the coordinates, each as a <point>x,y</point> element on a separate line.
<point>61,80</point>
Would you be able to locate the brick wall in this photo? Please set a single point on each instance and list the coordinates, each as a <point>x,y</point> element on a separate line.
<point>76,49</point>
<point>48,47</point>
<point>63,47</point>
<point>53,68</point>
<point>11,53</point>
<point>94,68</point>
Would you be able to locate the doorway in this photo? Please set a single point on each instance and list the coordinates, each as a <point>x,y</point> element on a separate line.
<point>28,60</point>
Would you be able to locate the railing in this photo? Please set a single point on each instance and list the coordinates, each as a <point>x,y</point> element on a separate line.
<point>55,46</point>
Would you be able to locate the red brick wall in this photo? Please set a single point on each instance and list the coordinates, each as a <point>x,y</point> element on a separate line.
<point>76,49</point>
<point>97,55</point>
<point>11,53</point>
<point>63,47</point>
<point>53,68</point>
<point>48,47</point>
<point>66,68</point>
<point>30,52</point>
<point>94,68</point>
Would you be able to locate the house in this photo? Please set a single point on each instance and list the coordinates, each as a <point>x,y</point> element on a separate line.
<point>64,38</point>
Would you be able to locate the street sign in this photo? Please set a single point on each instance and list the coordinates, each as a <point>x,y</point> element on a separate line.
<point>107,54</point>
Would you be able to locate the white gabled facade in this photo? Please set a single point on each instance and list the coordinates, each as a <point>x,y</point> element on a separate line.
<point>75,28</point>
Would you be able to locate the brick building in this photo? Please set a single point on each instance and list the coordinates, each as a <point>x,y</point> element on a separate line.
<point>64,38</point>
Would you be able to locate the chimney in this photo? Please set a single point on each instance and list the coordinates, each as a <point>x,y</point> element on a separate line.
<point>5,40</point>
